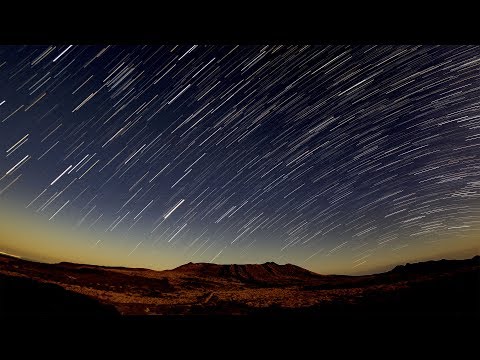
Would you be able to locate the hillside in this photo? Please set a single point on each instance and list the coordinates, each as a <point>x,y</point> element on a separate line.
<point>445,286</point>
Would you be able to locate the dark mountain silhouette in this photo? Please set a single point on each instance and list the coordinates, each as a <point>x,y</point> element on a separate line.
<point>435,266</point>
<point>76,266</point>
<point>267,274</point>
<point>432,287</point>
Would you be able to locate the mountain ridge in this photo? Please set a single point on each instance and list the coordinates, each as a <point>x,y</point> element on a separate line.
<point>288,267</point>
<point>212,289</point>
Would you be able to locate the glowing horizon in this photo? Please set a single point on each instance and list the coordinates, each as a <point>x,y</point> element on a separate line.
<point>42,241</point>
<point>338,159</point>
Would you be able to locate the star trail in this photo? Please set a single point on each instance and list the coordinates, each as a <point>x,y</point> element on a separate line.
<point>236,154</point>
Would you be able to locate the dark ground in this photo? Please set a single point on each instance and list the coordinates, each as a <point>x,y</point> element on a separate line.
<point>267,291</point>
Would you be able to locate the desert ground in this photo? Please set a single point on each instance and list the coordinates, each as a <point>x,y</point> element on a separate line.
<point>199,289</point>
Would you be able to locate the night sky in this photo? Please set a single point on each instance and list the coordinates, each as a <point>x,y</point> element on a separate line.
<point>335,158</point>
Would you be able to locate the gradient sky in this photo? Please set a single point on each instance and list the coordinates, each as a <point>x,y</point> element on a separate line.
<point>335,158</point>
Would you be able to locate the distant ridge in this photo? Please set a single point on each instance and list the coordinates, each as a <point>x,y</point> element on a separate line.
<point>435,265</point>
<point>433,287</point>
<point>10,255</point>
<point>75,265</point>
<point>268,272</point>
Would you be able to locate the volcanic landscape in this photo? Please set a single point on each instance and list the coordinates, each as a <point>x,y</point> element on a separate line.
<point>196,289</point>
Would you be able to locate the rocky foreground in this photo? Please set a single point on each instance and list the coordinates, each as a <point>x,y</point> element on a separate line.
<point>433,287</point>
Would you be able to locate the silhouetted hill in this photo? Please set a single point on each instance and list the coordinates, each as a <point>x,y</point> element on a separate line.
<point>432,287</point>
<point>268,273</point>
<point>23,296</point>
<point>435,266</point>
<point>74,266</point>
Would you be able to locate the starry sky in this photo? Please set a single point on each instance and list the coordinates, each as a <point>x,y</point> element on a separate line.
<point>334,158</point>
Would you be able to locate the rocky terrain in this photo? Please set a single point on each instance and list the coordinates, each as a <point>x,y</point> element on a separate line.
<point>433,287</point>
